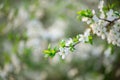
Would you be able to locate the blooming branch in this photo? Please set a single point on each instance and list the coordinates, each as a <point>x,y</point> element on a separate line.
<point>69,45</point>
<point>106,25</point>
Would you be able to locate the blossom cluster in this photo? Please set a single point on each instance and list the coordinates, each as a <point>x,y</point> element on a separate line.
<point>105,25</point>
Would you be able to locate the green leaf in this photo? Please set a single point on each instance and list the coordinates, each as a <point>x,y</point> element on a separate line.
<point>84,13</point>
<point>72,49</point>
<point>50,52</point>
<point>46,51</point>
<point>117,13</point>
<point>75,40</point>
<point>90,39</point>
<point>62,43</point>
<point>112,48</point>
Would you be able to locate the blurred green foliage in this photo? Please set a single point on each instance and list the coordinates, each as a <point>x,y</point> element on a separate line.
<point>17,64</point>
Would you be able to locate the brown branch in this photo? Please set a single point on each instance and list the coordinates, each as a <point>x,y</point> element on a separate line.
<point>105,20</point>
<point>111,23</point>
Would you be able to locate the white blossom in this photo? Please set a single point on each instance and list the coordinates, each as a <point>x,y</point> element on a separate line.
<point>101,5</point>
<point>84,19</point>
<point>110,15</point>
<point>84,38</point>
<point>70,41</point>
<point>63,52</point>
<point>93,12</point>
<point>95,18</point>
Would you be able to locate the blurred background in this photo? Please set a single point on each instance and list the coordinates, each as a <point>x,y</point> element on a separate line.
<point>28,26</point>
